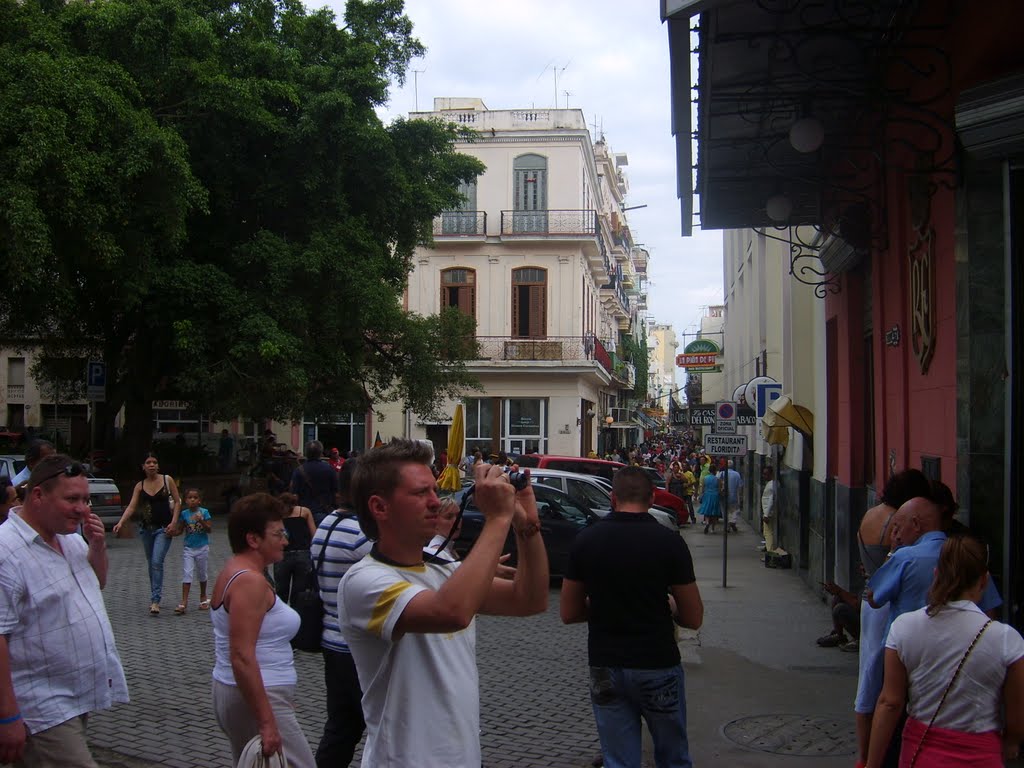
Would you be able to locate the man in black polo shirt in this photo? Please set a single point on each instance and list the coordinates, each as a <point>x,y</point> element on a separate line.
<point>629,578</point>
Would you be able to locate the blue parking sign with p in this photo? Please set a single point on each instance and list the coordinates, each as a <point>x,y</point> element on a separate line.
<point>96,381</point>
<point>97,374</point>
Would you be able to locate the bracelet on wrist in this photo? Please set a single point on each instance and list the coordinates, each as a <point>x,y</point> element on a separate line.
<point>12,719</point>
<point>527,530</point>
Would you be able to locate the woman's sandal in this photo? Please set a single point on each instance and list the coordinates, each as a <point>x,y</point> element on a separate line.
<point>180,609</point>
<point>154,609</point>
<point>204,605</point>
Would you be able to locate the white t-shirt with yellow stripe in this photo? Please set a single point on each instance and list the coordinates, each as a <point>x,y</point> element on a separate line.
<point>421,694</point>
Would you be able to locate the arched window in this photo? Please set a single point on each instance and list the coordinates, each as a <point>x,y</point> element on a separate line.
<point>458,289</point>
<point>529,302</point>
<point>530,173</point>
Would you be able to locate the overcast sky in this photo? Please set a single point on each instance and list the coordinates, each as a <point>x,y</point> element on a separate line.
<point>612,58</point>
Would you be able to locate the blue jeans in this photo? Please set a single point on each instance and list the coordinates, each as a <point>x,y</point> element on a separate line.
<point>620,697</point>
<point>155,544</point>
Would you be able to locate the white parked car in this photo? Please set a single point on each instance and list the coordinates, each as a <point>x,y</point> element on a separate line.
<point>11,464</point>
<point>106,500</point>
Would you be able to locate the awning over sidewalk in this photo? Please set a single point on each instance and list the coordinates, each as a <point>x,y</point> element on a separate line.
<point>785,413</point>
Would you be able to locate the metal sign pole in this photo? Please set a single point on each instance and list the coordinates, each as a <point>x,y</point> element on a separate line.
<point>725,529</point>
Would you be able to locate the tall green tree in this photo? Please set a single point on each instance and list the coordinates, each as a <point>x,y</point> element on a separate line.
<point>202,193</point>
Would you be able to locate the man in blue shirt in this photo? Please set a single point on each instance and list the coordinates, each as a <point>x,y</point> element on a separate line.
<point>904,579</point>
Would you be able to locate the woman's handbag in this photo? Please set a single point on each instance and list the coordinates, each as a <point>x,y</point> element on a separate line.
<point>252,756</point>
<point>309,606</point>
<point>945,693</point>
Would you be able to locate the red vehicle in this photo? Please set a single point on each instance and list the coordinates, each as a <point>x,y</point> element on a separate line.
<point>601,468</point>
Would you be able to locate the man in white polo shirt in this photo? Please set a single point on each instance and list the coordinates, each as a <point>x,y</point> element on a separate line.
<point>410,625</point>
<point>58,661</point>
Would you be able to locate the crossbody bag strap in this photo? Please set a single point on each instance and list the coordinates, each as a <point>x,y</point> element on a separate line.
<point>323,548</point>
<point>949,687</point>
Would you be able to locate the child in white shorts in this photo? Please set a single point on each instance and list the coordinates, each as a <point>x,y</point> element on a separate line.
<point>196,524</point>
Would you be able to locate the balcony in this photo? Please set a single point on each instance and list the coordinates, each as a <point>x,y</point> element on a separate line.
<point>461,224</point>
<point>563,350</point>
<point>562,224</point>
<point>624,372</point>
<point>15,393</point>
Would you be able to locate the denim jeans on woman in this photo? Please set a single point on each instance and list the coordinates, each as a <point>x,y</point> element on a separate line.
<point>155,543</point>
<point>620,697</point>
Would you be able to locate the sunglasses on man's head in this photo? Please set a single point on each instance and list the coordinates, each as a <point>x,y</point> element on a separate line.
<point>74,469</point>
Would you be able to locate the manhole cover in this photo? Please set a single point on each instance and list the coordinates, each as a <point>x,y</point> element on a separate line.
<point>793,735</point>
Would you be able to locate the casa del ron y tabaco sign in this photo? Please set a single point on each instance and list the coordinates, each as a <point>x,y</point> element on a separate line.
<point>700,356</point>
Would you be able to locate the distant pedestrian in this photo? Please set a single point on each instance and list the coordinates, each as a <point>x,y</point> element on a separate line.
<point>315,482</point>
<point>629,579</point>
<point>8,497</point>
<point>156,504</point>
<point>196,524</point>
<point>58,658</point>
<point>346,544</point>
<point>335,460</point>
<point>710,508</point>
<point>768,501</point>
<point>37,451</point>
<point>733,503</point>
<point>292,573</point>
<point>226,451</point>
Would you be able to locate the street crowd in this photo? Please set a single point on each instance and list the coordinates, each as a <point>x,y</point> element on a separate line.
<point>361,559</point>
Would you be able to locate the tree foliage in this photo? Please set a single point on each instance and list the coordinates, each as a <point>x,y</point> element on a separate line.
<point>201,192</point>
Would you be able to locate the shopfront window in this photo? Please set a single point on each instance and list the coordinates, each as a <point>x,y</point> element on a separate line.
<point>479,424</point>
<point>525,426</point>
<point>346,432</point>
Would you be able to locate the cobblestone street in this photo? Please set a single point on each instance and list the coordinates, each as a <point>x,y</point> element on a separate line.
<point>535,710</point>
<point>760,693</point>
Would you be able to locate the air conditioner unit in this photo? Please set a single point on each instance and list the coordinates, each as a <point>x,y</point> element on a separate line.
<point>620,415</point>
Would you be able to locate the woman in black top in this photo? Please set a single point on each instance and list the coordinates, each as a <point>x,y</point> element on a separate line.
<point>292,573</point>
<point>155,505</point>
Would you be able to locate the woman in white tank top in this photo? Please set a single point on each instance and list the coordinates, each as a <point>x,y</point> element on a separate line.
<point>254,670</point>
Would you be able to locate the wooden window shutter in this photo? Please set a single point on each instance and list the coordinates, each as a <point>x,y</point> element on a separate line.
<point>467,300</point>
<point>538,311</point>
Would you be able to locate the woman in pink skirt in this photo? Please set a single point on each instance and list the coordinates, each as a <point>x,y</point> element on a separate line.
<point>955,670</point>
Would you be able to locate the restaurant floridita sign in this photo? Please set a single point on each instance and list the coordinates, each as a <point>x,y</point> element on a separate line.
<point>700,356</point>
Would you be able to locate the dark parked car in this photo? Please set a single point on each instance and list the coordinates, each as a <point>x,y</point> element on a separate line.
<point>605,469</point>
<point>561,519</point>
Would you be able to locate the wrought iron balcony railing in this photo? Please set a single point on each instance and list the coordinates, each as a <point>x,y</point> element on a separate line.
<point>565,349</point>
<point>559,222</point>
<point>460,224</point>
<point>15,392</point>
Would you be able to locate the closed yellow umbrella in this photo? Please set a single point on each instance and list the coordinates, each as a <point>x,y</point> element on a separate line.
<point>450,479</point>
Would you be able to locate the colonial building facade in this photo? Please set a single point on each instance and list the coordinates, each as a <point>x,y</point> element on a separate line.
<point>541,257</point>
<point>892,131</point>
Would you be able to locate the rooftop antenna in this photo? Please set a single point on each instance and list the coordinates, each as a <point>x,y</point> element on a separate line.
<point>593,125</point>
<point>567,95</point>
<point>416,87</point>
<point>554,71</point>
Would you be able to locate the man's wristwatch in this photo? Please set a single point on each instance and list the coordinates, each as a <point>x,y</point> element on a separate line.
<point>528,530</point>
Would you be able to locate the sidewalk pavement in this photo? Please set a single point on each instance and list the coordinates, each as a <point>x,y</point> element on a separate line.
<point>760,692</point>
